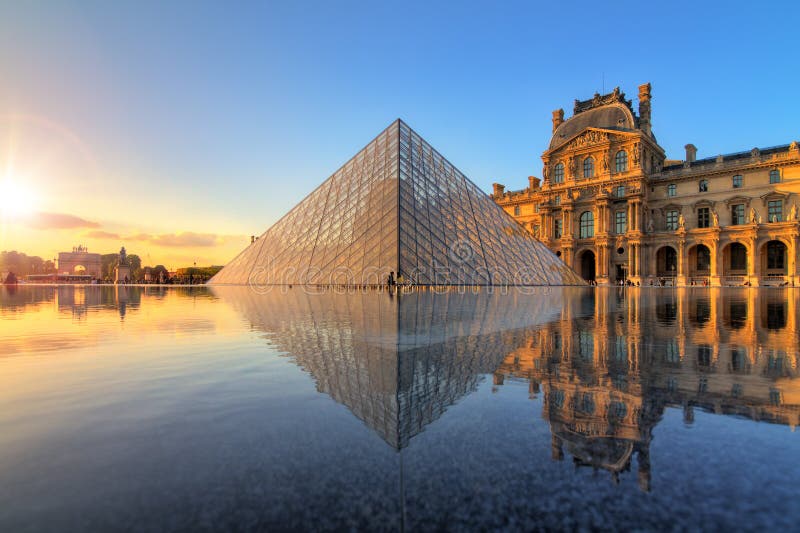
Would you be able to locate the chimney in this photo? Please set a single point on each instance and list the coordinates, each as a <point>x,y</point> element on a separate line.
<point>558,118</point>
<point>644,108</point>
<point>499,189</point>
<point>691,153</point>
<point>533,183</point>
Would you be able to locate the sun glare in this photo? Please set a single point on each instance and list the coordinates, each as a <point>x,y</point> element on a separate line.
<point>15,198</point>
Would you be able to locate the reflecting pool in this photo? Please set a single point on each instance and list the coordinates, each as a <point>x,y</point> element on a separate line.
<point>125,408</point>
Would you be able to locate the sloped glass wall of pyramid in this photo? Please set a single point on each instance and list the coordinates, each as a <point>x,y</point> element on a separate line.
<point>398,207</point>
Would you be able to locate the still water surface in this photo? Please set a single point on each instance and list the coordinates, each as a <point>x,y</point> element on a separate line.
<point>198,409</point>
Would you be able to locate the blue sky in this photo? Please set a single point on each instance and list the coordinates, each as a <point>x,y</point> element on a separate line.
<point>218,117</point>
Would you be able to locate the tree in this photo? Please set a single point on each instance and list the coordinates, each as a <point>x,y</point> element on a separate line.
<point>22,264</point>
<point>158,272</point>
<point>107,264</point>
<point>135,263</point>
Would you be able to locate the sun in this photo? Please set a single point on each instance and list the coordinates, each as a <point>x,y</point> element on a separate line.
<point>16,199</point>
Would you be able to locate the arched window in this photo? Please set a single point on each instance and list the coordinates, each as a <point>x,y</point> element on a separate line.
<point>588,167</point>
<point>558,173</point>
<point>622,161</point>
<point>703,258</point>
<point>776,255</point>
<point>516,210</point>
<point>587,225</point>
<point>703,186</point>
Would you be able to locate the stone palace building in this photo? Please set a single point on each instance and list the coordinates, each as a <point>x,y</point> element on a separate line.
<point>614,208</point>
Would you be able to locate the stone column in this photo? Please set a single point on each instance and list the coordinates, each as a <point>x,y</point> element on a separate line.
<point>716,258</point>
<point>630,260</point>
<point>546,230</point>
<point>566,221</point>
<point>681,280</point>
<point>752,262</point>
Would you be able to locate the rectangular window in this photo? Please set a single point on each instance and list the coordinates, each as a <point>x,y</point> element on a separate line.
<point>516,210</point>
<point>737,181</point>
<point>737,214</point>
<point>775,210</point>
<point>672,189</point>
<point>621,222</point>
<point>621,191</point>
<point>672,220</point>
<point>557,228</point>
<point>774,176</point>
<point>557,199</point>
<point>535,208</point>
<point>703,217</point>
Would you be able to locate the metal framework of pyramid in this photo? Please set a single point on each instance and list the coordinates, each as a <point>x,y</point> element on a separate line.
<point>397,206</point>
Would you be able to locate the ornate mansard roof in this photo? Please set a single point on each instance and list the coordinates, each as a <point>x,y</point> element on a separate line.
<point>609,111</point>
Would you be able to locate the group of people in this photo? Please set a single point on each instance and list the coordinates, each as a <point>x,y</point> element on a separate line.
<point>391,281</point>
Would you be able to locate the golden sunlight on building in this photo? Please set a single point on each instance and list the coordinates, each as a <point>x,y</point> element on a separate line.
<point>614,208</point>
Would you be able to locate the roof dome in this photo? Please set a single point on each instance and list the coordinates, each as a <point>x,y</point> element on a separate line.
<point>614,116</point>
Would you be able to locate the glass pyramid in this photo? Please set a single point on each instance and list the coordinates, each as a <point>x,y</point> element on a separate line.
<point>397,206</point>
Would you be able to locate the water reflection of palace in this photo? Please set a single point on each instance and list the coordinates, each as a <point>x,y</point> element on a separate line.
<point>617,358</point>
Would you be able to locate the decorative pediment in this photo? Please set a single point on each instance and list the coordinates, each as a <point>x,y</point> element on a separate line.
<point>702,203</point>
<point>588,138</point>
<point>775,195</point>
<point>736,200</point>
<point>591,137</point>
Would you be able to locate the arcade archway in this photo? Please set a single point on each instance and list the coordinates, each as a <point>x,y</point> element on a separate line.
<point>588,264</point>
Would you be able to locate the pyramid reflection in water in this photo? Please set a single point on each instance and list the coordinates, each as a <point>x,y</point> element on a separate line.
<point>397,365</point>
<point>397,206</point>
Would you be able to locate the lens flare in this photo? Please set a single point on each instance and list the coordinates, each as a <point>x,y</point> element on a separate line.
<point>16,199</point>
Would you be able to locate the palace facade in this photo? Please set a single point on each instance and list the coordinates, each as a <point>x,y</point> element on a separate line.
<point>614,208</point>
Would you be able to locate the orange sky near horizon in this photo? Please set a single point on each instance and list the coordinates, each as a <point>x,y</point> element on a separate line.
<point>55,193</point>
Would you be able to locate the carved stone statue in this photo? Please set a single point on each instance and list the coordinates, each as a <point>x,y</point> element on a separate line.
<point>123,256</point>
<point>605,160</point>
<point>714,219</point>
<point>650,225</point>
<point>681,221</point>
<point>793,212</point>
<point>753,215</point>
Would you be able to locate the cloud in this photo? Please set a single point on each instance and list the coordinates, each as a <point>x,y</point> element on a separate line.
<point>100,234</point>
<point>43,220</point>
<point>185,239</point>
